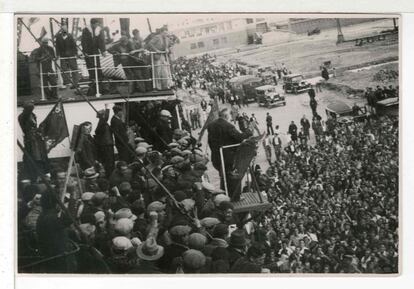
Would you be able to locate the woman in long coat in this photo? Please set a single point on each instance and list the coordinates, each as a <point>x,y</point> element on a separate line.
<point>160,43</point>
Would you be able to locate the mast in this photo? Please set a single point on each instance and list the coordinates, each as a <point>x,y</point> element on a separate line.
<point>340,34</point>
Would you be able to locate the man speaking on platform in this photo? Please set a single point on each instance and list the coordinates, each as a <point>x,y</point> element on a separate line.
<point>222,132</point>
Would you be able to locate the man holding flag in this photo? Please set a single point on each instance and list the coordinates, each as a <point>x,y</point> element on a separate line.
<point>54,128</point>
<point>39,141</point>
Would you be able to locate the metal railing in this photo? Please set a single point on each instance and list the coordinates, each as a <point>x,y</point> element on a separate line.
<point>58,71</point>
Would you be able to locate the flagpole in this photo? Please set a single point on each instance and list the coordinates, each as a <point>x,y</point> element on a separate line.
<point>72,158</point>
<point>49,188</point>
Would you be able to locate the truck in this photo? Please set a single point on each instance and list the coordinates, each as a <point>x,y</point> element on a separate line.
<point>268,96</point>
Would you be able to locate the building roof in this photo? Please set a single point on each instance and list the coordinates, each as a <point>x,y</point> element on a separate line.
<point>265,87</point>
<point>244,78</point>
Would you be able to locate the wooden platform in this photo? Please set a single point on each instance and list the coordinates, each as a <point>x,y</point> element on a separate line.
<point>251,202</point>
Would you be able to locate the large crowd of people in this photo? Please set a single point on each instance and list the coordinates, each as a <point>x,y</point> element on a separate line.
<point>333,205</point>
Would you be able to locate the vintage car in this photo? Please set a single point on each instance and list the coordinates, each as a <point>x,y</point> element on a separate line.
<point>244,86</point>
<point>389,106</point>
<point>295,83</point>
<point>343,113</point>
<point>269,77</point>
<point>268,96</point>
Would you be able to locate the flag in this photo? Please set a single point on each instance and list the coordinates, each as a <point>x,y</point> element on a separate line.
<point>54,128</point>
<point>42,33</point>
<point>212,116</point>
<point>32,20</point>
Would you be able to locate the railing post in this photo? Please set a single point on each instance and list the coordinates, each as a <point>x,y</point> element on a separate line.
<point>96,76</point>
<point>152,70</point>
<point>41,82</point>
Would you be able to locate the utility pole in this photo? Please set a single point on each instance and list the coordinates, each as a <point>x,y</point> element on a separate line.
<point>340,35</point>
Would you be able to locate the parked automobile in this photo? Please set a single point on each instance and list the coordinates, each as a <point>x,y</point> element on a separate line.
<point>389,106</point>
<point>244,86</point>
<point>343,113</point>
<point>268,96</point>
<point>295,83</point>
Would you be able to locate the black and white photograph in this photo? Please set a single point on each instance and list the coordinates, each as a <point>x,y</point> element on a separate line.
<point>207,144</point>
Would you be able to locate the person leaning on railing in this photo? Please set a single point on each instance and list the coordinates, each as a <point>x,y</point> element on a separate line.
<point>93,44</point>
<point>44,56</point>
<point>66,50</point>
<point>123,53</point>
<point>160,43</point>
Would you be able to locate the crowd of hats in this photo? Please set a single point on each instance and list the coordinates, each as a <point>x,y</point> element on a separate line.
<point>334,205</point>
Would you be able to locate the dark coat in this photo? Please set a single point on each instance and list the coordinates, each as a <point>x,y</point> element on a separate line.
<point>171,251</point>
<point>86,156</point>
<point>33,142</point>
<point>243,265</point>
<point>103,132</point>
<point>146,267</point>
<point>51,232</point>
<point>119,129</point>
<point>65,47</point>
<point>163,129</point>
<point>311,93</point>
<point>305,124</point>
<point>293,130</point>
<point>234,255</point>
<point>93,44</point>
<point>222,133</point>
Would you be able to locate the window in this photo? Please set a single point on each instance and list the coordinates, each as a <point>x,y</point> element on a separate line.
<point>249,20</point>
<point>224,39</point>
<point>200,44</point>
<point>216,41</point>
<point>193,46</point>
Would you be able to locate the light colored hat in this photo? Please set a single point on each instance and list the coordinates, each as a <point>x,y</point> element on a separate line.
<point>99,216</point>
<point>186,152</point>
<point>188,204</point>
<point>87,196</point>
<point>209,222</point>
<point>87,229</point>
<point>173,145</point>
<point>156,206</point>
<point>139,139</point>
<point>90,173</point>
<point>165,113</point>
<point>145,145</point>
<point>176,152</point>
<point>100,196</point>
<point>141,150</point>
<point>149,250</point>
<point>194,259</point>
<point>125,213</point>
<point>212,189</point>
<point>124,226</point>
<point>197,241</point>
<point>180,230</point>
<point>220,198</point>
<point>177,160</point>
<point>121,243</point>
